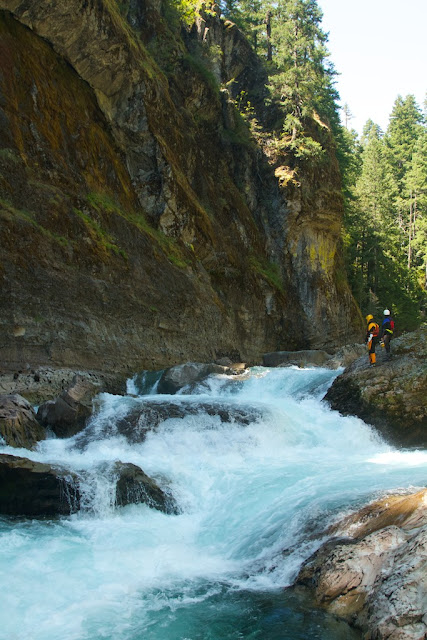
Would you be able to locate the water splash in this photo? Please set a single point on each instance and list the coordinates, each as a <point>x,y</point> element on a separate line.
<point>254,497</point>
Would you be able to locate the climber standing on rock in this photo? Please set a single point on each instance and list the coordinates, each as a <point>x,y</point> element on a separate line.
<point>386,334</point>
<point>372,338</point>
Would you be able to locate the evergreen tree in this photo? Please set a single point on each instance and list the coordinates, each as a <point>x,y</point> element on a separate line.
<point>250,17</point>
<point>415,185</point>
<point>375,191</point>
<point>402,133</point>
<point>302,81</point>
<point>375,240</point>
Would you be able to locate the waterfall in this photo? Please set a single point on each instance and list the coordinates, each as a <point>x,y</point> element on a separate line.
<point>259,467</point>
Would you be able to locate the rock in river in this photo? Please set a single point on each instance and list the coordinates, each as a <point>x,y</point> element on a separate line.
<point>18,424</point>
<point>374,573</point>
<point>391,396</point>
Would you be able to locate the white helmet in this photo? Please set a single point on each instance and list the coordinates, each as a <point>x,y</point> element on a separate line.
<point>386,312</point>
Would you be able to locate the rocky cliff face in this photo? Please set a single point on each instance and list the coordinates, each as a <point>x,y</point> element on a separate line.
<point>141,222</point>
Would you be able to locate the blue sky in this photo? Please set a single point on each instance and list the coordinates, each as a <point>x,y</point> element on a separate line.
<point>380,49</point>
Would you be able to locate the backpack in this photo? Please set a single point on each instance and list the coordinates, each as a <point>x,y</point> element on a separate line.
<point>391,324</point>
<point>374,329</point>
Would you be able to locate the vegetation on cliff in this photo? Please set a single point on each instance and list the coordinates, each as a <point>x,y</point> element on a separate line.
<point>384,175</point>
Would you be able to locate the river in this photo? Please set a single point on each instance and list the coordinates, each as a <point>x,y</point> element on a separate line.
<point>251,494</point>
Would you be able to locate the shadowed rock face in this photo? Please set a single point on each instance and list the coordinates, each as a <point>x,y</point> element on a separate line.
<point>141,226</point>
<point>375,577</point>
<point>392,395</point>
<point>34,489</point>
<point>300,358</point>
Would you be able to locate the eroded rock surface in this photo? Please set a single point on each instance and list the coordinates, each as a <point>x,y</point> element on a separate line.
<point>391,396</point>
<point>141,222</point>
<point>68,414</point>
<point>374,573</point>
<point>46,383</point>
<point>19,426</point>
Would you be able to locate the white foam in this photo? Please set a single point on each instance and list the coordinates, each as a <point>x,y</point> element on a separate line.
<point>247,492</point>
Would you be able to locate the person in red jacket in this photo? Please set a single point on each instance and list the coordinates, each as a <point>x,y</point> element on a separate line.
<point>372,338</point>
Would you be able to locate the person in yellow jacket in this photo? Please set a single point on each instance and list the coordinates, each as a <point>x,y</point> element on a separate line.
<point>372,338</point>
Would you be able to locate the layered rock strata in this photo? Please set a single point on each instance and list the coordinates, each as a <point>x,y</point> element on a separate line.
<point>142,224</point>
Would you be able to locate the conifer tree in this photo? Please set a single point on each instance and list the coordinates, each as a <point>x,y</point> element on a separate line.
<point>250,17</point>
<point>375,191</point>
<point>402,133</point>
<point>380,273</point>
<point>415,189</point>
<point>302,81</point>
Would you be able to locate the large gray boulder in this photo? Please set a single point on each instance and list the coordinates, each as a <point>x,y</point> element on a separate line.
<point>68,414</point>
<point>35,489</point>
<point>374,573</point>
<point>392,396</point>
<point>182,375</point>
<point>315,357</point>
<point>18,423</point>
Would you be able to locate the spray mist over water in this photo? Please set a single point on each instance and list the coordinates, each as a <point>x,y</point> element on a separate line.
<point>252,490</point>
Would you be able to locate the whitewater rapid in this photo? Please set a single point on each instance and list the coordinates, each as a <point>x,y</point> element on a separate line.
<point>251,496</point>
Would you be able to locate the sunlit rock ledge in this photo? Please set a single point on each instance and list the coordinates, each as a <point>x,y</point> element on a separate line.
<point>392,396</point>
<point>373,573</point>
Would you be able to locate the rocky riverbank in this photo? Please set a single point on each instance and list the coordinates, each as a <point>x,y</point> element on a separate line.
<point>391,396</point>
<point>373,572</point>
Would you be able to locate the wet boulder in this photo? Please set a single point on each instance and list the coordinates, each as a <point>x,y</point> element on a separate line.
<point>68,414</point>
<point>190,373</point>
<point>392,395</point>
<point>373,574</point>
<point>18,423</point>
<point>35,489</point>
<point>134,486</point>
<point>148,415</point>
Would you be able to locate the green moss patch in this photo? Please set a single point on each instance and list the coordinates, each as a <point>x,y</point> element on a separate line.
<point>270,271</point>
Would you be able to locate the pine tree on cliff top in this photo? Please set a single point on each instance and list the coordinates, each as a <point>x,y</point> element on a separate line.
<point>302,80</point>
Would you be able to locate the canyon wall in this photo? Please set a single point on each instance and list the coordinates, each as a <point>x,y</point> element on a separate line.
<point>144,221</point>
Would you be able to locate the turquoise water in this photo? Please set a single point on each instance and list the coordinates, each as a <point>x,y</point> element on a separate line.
<point>250,497</point>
